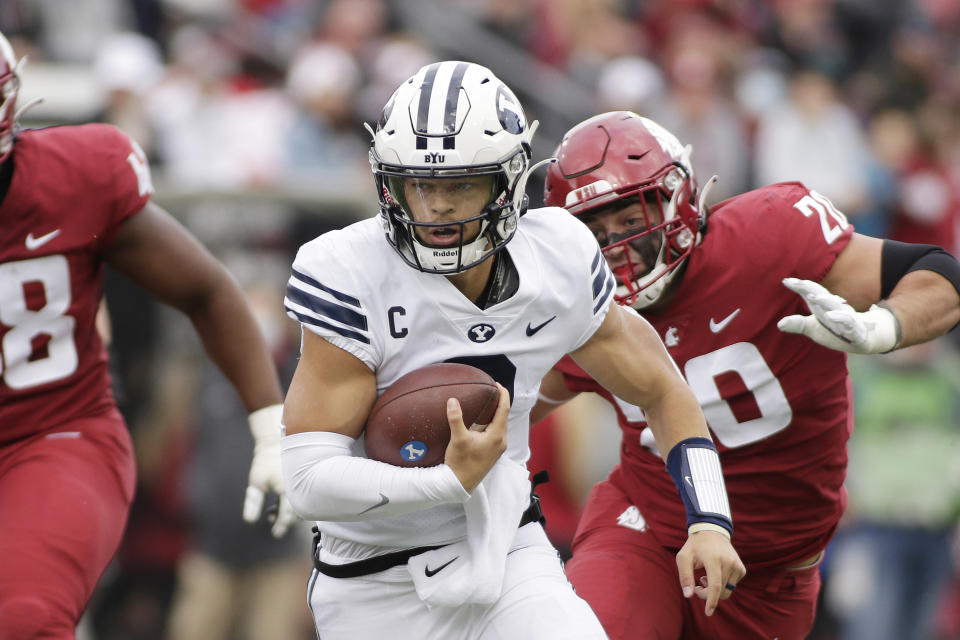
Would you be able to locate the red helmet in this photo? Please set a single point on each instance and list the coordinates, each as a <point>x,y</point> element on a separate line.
<point>620,157</point>
<point>9,87</point>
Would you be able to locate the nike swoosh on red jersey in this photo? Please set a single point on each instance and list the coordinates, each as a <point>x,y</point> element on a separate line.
<point>717,327</point>
<point>35,243</point>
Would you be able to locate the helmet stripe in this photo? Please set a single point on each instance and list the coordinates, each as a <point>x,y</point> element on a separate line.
<point>423,108</point>
<point>438,103</point>
<point>452,103</point>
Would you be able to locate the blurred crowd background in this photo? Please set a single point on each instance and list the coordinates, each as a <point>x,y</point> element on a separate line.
<point>251,113</point>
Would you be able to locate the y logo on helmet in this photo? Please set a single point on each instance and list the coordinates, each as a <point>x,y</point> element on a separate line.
<point>482,332</point>
<point>509,111</point>
<point>387,110</point>
<point>434,158</point>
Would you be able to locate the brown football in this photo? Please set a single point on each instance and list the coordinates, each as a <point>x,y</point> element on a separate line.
<point>408,427</point>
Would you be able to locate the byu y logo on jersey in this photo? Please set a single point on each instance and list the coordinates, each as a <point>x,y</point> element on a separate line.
<point>481,332</point>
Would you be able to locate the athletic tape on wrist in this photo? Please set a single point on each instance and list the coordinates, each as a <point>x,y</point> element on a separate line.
<point>697,527</point>
<point>898,330</point>
<point>265,423</point>
<point>694,465</point>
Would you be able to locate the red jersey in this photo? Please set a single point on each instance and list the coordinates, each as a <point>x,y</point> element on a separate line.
<point>71,189</point>
<point>778,405</point>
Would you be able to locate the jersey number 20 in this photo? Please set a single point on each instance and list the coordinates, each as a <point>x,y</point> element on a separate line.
<point>744,359</point>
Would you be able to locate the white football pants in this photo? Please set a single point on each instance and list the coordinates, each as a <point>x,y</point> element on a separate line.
<point>537,603</point>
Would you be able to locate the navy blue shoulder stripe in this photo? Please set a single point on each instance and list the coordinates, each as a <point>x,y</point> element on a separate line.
<point>596,261</point>
<point>327,308</point>
<point>598,281</point>
<point>606,290</point>
<point>346,333</point>
<point>599,268</point>
<point>342,297</point>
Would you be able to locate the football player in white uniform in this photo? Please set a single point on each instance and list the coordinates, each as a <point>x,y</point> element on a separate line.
<point>473,278</point>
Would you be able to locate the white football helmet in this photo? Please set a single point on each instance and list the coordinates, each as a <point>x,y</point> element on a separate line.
<point>9,88</point>
<point>451,120</point>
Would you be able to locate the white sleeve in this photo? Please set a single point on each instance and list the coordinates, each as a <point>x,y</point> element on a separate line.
<point>324,296</point>
<point>324,481</point>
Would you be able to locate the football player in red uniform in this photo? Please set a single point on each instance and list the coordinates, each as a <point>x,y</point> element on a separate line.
<point>727,289</point>
<point>72,199</point>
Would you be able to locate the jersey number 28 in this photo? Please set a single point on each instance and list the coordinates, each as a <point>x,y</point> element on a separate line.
<point>19,366</point>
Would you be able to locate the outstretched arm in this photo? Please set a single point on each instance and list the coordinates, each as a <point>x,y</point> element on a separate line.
<point>626,356</point>
<point>161,256</point>
<point>914,287</point>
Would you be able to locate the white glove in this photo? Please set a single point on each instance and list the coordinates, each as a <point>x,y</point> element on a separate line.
<point>837,325</point>
<point>265,471</point>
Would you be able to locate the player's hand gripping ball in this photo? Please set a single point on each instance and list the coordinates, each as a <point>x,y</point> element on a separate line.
<point>408,427</point>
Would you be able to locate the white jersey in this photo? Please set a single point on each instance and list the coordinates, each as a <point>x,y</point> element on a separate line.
<point>352,288</point>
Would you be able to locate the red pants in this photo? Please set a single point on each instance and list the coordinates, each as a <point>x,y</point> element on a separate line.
<point>632,583</point>
<point>64,499</point>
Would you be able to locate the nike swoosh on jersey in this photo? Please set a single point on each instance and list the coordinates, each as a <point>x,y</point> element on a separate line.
<point>427,571</point>
<point>532,330</point>
<point>35,243</point>
<point>717,327</point>
<point>383,500</point>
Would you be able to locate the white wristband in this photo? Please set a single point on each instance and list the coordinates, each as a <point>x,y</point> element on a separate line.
<point>325,481</point>
<point>889,331</point>
<point>265,423</point>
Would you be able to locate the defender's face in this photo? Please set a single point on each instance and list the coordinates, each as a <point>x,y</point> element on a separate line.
<point>441,203</point>
<point>622,232</point>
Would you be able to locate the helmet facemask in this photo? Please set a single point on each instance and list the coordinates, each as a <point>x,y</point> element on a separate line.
<point>647,259</point>
<point>9,88</point>
<point>452,125</point>
<point>618,159</point>
<point>424,244</point>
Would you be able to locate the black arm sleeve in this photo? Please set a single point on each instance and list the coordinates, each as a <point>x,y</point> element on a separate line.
<point>900,258</point>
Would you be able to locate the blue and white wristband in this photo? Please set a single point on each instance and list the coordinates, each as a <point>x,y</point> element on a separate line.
<point>694,465</point>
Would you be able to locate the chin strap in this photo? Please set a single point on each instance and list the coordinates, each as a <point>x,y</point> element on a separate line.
<point>702,201</point>
<point>21,64</point>
<point>519,193</point>
<point>520,190</point>
<point>25,107</point>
